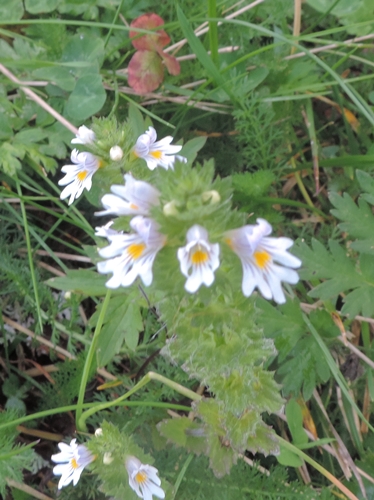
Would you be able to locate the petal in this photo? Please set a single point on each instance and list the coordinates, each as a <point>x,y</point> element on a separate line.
<point>156,490</point>
<point>285,274</point>
<point>60,469</point>
<point>195,280</point>
<point>196,233</point>
<point>152,134</point>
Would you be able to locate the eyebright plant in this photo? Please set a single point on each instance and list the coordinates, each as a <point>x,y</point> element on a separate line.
<point>202,265</point>
<point>146,67</point>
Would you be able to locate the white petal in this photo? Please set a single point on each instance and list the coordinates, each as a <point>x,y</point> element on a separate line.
<point>156,490</point>
<point>152,134</point>
<point>196,233</point>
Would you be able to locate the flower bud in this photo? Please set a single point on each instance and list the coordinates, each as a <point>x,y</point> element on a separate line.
<point>67,295</point>
<point>211,196</point>
<point>170,209</point>
<point>107,459</point>
<point>99,432</point>
<point>116,153</point>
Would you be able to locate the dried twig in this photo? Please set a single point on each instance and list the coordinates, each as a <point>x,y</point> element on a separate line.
<point>27,489</point>
<point>38,100</point>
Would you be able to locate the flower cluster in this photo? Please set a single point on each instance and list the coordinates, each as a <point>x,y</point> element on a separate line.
<point>73,458</point>
<point>265,260</point>
<point>84,165</point>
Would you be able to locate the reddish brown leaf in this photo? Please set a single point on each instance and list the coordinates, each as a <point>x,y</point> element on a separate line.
<point>146,71</point>
<point>149,42</point>
<point>172,65</point>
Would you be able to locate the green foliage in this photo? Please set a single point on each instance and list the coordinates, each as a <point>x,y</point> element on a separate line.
<point>348,14</point>
<point>343,273</point>
<point>81,281</point>
<point>300,363</point>
<point>122,323</point>
<point>14,458</point>
<point>260,137</point>
<point>243,483</point>
<point>66,384</point>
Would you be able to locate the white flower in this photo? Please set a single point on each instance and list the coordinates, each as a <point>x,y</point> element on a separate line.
<point>84,136</point>
<point>135,197</point>
<point>258,254</point>
<point>143,479</point>
<point>78,176</point>
<point>72,460</point>
<point>131,255</point>
<point>201,255</point>
<point>116,153</point>
<point>157,153</point>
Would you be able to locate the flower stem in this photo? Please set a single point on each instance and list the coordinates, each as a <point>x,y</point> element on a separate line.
<point>89,360</point>
<point>81,424</point>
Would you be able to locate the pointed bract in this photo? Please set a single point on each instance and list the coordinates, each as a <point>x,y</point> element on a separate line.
<point>71,461</point>
<point>200,256</point>
<point>143,479</point>
<point>131,255</point>
<point>160,153</point>
<point>79,175</point>
<point>266,262</point>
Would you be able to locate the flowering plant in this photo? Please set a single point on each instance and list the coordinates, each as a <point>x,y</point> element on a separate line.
<point>174,228</point>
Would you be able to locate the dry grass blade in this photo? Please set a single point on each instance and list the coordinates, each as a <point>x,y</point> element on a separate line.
<point>331,46</point>
<point>345,460</point>
<point>203,28</point>
<point>63,352</point>
<point>27,489</point>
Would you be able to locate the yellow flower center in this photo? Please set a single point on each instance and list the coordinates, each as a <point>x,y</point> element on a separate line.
<point>199,257</point>
<point>141,477</point>
<point>136,250</point>
<point>261,258</point>
<point>133,206</point>
<point>82,175</point>
<point>156,154</point>
<point>74,463</point>
<point>229,242</point>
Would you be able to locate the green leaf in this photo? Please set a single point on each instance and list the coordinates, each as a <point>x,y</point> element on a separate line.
<point>295,422</point>
<point>192,147</point>
<point>87,98</point>
<point>80,281</point>
<point>341,274</point>
<point>136,120</point>
<point>11,10</point>
<point>185,433</point>
<point>286,457</point>
<point>123,321</point>
<point>358,221</point>
<point>84,54</point>
<point>30,135</point>
<point>367,184</point>
<point>57,75</point>
<point>6,130</point>
<point>10,156</point>
<point>39,6</point>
